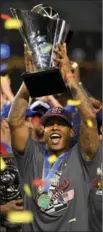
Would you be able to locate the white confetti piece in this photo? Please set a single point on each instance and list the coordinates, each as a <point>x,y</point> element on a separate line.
<point>73,220</point>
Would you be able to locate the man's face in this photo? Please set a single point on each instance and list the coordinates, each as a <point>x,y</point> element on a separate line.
<point>57,134</point>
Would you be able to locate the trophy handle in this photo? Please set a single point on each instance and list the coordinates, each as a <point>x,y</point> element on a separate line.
<point>61,33</point>
<point>14,13</point>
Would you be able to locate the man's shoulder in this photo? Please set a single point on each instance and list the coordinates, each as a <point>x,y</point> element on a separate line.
<point>34,144</point>
<point>74,153</point>
<point>75,149</point>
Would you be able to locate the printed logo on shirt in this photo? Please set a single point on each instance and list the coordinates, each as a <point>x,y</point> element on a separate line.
<point>58,194</point>
<point>97,182</point>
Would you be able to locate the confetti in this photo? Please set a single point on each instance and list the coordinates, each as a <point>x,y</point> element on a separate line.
<point>5,77</point>
<point>2,164</point>
<point>74,65</point>
<point>52,159</point>
<point>12,24</point>
<point>27,190</point>
<point>52,180</point>
<point>73,220</point>
<point>47,49</point>
<point>38,182</point>
<point>89,123</point>
<point>98,171</point>
<point>74,102</point>
<point>20,217</point>
<point>100,185</point>
<point>5,16</point>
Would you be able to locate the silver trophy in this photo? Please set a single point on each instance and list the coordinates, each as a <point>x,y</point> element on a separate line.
<point>41,30</point>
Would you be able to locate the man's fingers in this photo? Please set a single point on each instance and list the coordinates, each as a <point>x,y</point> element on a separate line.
<point>65,47</point>
<point>19,207</point>
<point>58,53</point>
<point>27,51</point>
<point>16,206</point>
<point>57,60</point>
<point>26,48</point>
<point>19,201</point>
<point>28,59</point>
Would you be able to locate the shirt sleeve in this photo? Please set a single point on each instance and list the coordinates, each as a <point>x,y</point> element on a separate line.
<point>32,153</point>
<point>91,167</point>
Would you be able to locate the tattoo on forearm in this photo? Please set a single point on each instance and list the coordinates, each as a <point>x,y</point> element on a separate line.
<point>19,106</point>
<point>88,136</point>
<point>85,108</point>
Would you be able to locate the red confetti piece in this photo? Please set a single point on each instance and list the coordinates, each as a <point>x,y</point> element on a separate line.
<point>5,16</point>
<point>3,150</point>
<point>38,182</point>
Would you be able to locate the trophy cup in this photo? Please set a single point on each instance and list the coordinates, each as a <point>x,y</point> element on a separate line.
<point>41,30</point>
<point>10,188</point>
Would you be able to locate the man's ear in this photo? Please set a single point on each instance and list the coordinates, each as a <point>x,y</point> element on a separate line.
<point>71,132</point>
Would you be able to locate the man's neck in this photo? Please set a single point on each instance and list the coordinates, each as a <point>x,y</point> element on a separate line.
<point>60,152</point>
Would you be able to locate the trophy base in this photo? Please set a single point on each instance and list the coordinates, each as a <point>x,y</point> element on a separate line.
<point>43,83</point>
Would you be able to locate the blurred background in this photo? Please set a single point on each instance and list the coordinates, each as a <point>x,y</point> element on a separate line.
<point>85,18</point>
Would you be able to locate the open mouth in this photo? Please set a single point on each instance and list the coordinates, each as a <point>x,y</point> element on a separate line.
<point>55,137</point>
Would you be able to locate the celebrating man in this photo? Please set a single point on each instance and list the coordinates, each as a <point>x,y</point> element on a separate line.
<point>61,204</point>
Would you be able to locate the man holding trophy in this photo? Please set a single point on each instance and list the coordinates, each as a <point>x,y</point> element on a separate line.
<point>61,204</point>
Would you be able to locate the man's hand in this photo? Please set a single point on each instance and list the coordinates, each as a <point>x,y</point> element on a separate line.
<point>29,65</point>
<point>6,88</point>
<point>11,205</point>
<point>88,137</point>
<point>61,59</point>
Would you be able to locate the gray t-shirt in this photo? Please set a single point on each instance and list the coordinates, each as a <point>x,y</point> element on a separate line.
<point>68,210</point>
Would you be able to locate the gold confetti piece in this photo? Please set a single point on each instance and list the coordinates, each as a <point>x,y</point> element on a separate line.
<point>2,164</point>
<point>89,123</point>
<point>100,185</point>
<point>4,77</point>
<point>52,159</point>
<point>27,190</point>
<point>12,24</point>
<point>74,102</point>
<point>52,180</point>
<point>20,217</point>
<point>73,220</point>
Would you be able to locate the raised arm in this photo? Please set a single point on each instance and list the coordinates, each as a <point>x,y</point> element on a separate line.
<point>89,138</point>
<point>19,131</point>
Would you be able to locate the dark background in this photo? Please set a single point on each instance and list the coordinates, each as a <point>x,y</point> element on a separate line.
<point>85,18</point>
